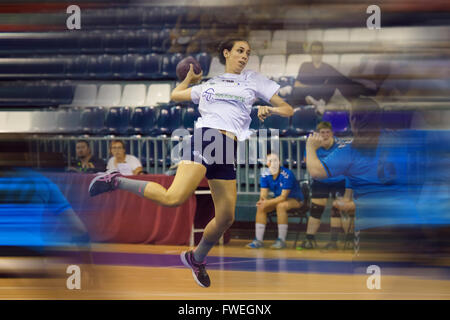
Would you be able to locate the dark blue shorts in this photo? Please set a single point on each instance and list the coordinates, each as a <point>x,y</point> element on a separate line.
<point>216,151</point>
<point>321,190</point>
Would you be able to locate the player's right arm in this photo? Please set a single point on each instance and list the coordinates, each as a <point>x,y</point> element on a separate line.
<point>264,193</point>
<point>182,92</point>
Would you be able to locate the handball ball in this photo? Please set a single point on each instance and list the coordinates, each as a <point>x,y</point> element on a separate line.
<point>183,67</point>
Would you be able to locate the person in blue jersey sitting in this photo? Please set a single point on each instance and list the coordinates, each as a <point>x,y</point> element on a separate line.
<point>287,195</point>
<point>321,190</point>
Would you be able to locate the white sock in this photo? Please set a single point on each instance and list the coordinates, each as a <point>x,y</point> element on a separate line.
<point>282,231</point>
<point>259,230</point>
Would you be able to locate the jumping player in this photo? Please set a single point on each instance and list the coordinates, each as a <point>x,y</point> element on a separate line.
<point>225,104</point>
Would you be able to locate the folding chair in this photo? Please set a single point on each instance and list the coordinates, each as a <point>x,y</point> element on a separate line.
<point>297,212</point>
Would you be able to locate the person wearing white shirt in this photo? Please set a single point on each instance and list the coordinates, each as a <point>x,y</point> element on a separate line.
<point>126,164</point>
<point>225,104</point>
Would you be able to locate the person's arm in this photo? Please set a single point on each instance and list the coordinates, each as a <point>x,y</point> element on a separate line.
<point>345,204</point>
<point>313,164</point>
<point>280,107</point>
<point>182,92</point>
<point>299,84</point>
<point>137,171</point>
<point>264,194</point>
<point>281,198</point>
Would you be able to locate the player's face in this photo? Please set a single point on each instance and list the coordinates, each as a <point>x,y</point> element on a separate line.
<point>326,135</point>
<point>82,150</point>
<point>316,54</point>
<point>237,58</point>
<point>117,150</point>
<point>273,163</point>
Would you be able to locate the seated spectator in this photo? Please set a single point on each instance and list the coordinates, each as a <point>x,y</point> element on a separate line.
<point>86,161</point>
<point>288,195</point>
<point>317,81</point>
<point>127,164</point>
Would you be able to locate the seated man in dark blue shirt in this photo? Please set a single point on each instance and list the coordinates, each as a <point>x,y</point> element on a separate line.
<point>86,161</point>
<point>287,195</point>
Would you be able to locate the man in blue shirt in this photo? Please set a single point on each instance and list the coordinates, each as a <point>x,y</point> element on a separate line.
<point>321,190</point>
<point>287,195</point>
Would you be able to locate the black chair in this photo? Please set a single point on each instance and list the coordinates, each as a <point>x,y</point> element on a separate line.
<point>298,212</point>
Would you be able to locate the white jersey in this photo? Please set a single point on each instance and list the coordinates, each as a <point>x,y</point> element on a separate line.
<point>225,101</point>
<point>126,168</point>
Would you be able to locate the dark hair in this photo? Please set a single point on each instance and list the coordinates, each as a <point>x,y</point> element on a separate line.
<point>316,44</point>
<point>324,125</point>
<point>227,44</point>
<point>83,141</point>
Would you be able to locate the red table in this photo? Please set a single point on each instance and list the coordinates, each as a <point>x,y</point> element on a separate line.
<point>123,217</point>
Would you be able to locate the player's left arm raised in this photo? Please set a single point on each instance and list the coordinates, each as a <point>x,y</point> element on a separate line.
<point>279,107</point>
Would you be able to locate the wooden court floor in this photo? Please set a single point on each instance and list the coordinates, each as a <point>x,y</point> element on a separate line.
<point>156,273</point>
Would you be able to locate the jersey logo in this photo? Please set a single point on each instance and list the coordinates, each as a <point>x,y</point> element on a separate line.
<point>343,143</point>
<point>285,174</point>
<point>208,94</point>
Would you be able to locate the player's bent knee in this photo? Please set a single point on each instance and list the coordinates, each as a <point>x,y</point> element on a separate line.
<point>174,200</point>
<point>282,206</point>
<point>317,211</point>
<point>335,213</point>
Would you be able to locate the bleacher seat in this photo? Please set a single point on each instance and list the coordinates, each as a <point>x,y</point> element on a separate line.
<point>294,62</point>
<point>205,61</point>
<point>85,95</point>
<point>169,64</point>
<point>175,118</point>
<point>273,66</point>
<point>216,68</point>
<point>114,42</point>
<point>158,93</point>
<point>92,120</point>
<point>190,116</point>
<point>259,39</point>
<point>149,66</point>
<point>255,120</point>
<point>68,121</point>
<point>304,121</point>
<point>138,41</point>
<point>130,17</point>
<point>314,35</point>
<point>26,68</point>
<point>277,122</point>
<point>163,125</point>
<point>109,95</point>
<point>76,67</point>
<point>117,120</point>
<point>152,17</point>
<point>339,121</point>
<point>61,94</point>
<point>91,41</point>
<point>143,120</point>
<point>362,35</point>
<point>289,35</point>
<point>99,67</point>
<point>133,95</point>
<point>253,63</point>
<point>349,62</point>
